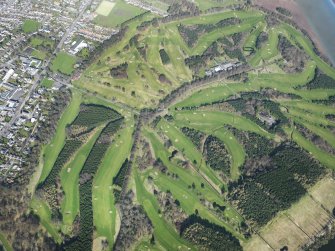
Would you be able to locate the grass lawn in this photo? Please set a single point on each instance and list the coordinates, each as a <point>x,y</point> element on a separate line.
<point>30,26</point>
<point>189,198</point>
<point>104,210</point>
<point>63,63</point>
<point>47,83</point>
<point>325,158</point>
<point>215,120</point>
<point>37,41</point>
<point>51,151</point>
<point>70,179</point>
<point>184,145</point>
<point>41,209</point>
<point>206,4</point>
<point>163,231</point>
<point>120,12</point>
<point>41,55</point>
<point>5,243</point>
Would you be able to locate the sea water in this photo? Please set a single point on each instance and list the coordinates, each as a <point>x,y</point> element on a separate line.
<point>321,17</point>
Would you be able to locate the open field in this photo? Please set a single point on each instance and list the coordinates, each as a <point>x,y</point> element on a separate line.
<point>30,26</point>
<point>190,199</point>
<point>52,150</point>
<point>47,83</point>
<point>103,198</point>
<point>207,4</point>
<point>41,55</point>
<point>114,13</point>
<point>163,231</point>
<point>63,63</point>
<point>215,120</point>
<point>105,8</point>
<point>70,180</point>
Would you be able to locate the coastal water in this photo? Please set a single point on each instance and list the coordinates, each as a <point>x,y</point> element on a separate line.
<point>321,17</point>
<point>330,246</point>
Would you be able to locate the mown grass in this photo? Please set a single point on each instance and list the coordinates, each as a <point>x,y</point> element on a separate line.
<point>121,12</point>
<point>5,243</point>
<point>189,198</point>
<point>104,209</point>
<point>47,83</point>
<point>70,181</point>
<point>63,63</point>
<point>30,26</point>
<point>163,231</point>
<point>42,210</point>
<point>51,151</point>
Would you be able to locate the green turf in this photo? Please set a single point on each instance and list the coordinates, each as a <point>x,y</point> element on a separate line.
<point>70,180</point>
<point>325,158</point>
<point>184,145</point>
<point>47,83</point>
<point>207,4</point>
<point>30,26</point>
<point>214,120</point>
<point>64,63</point>
<point>5,243</point>
<point>163,231</point>
<point>189,198</point>
<point>120,13</point>
<point>41,55</point>
<point>41,209</point>
<point>50,152</point>
<point>103,198</point>
<point>142,88</point>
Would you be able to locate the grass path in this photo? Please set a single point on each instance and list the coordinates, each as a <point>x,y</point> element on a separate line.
<point>326,159</point>
<point>163,231</point>
<point>185,146</point>
<point>70,181</point>
<point>5,243</point>
<point>104,210</point>
<point>212,120</point>
<point>42,210</point>
<point>52,150</point>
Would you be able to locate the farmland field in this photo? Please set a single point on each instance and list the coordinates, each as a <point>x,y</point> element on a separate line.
<point>165,147</point>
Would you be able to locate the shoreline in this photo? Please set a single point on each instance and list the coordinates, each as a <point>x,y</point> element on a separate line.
<point>297,17</point>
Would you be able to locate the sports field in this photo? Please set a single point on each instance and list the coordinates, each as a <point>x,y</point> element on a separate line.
<point>114,13</point>
<point>251,122</point>
<point>105,8</point>
<point>30,26</point>
<point>63,63</point>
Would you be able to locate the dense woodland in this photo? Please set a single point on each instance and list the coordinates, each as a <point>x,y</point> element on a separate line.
<point>217,156</point>
<point>208,236</point>
<point>261,196</point>
<point>84,240</point>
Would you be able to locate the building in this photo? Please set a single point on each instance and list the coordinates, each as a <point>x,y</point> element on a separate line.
<point>77,46</point>
<point>8,75</point>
